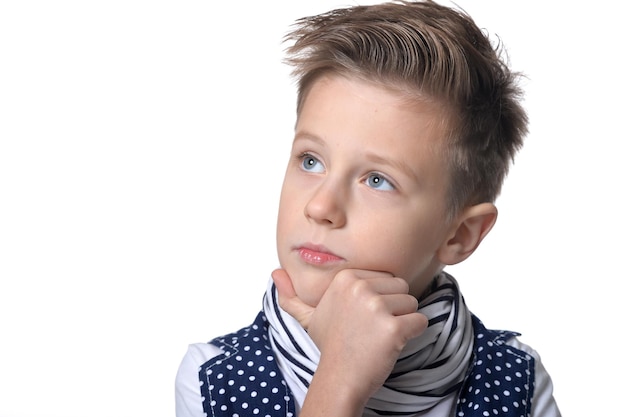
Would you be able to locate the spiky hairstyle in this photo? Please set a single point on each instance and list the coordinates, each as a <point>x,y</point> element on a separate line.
<point>432,52</point>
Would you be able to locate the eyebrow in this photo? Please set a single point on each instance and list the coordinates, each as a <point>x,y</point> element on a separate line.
<point>304,135</point>
<point>399,165</point>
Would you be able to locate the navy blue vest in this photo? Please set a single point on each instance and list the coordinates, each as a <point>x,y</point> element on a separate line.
<point>245,380</point>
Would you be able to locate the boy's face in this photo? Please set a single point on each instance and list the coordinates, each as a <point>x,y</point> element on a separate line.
<point>365,188</point>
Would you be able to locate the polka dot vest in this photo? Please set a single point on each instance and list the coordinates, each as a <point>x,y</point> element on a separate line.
<point>246,381</point>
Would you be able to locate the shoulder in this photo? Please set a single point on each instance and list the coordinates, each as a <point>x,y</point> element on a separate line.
<point>544,404</point>
<point>199,357</point>
<point>504,349</point>
<point>187,384</point>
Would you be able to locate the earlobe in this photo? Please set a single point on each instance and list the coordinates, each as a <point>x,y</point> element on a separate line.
<point>472,225</point>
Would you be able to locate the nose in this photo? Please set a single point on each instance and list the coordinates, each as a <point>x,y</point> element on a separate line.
<point>327,205</point>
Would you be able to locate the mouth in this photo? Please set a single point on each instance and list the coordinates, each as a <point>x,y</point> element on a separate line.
<point>317,255</point>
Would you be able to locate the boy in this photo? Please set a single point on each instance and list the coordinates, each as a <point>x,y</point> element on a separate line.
<point>407,121</point>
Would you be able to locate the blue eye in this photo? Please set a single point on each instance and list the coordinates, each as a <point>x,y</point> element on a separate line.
<point>378,182</point>
<point>311,164</point>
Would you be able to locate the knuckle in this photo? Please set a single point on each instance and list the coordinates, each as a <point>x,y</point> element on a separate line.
<point>376,304</point>
<point>395,330</point>
<point>403,286</point>
<point>344,277</point>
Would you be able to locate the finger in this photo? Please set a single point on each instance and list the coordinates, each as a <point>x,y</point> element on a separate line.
<point>283,284</point>
<point>289,300</point>
<point>389,285</point>
<point>400,304</point>
<point>360,281</point>
<point>413,325</point>
<point>380,282</point>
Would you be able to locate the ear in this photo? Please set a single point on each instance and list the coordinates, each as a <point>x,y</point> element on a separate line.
<point>472,225</point>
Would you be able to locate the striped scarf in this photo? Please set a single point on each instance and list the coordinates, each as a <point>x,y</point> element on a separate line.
<point>430,367</point>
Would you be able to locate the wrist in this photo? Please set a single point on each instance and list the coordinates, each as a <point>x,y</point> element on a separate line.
<point>333,393</point>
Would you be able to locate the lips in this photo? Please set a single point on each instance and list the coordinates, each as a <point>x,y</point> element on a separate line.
<point>317,255</point>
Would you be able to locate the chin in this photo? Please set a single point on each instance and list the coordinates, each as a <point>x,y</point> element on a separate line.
<point>309,287</point>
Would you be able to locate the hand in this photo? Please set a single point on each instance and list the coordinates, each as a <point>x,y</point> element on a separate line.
<point>361,324</point>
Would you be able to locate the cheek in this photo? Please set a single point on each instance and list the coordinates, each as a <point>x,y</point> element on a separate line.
<point>286,207</point>
<point>404,250</point>
<point>287,217</point>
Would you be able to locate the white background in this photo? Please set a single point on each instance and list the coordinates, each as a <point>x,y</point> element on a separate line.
<point>142,145</point>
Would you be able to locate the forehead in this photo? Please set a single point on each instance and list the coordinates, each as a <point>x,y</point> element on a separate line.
<point>362,110</point>
<point>363,118</point>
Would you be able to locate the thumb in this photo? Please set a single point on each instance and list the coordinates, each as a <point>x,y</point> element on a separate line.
<point>289,300</point>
